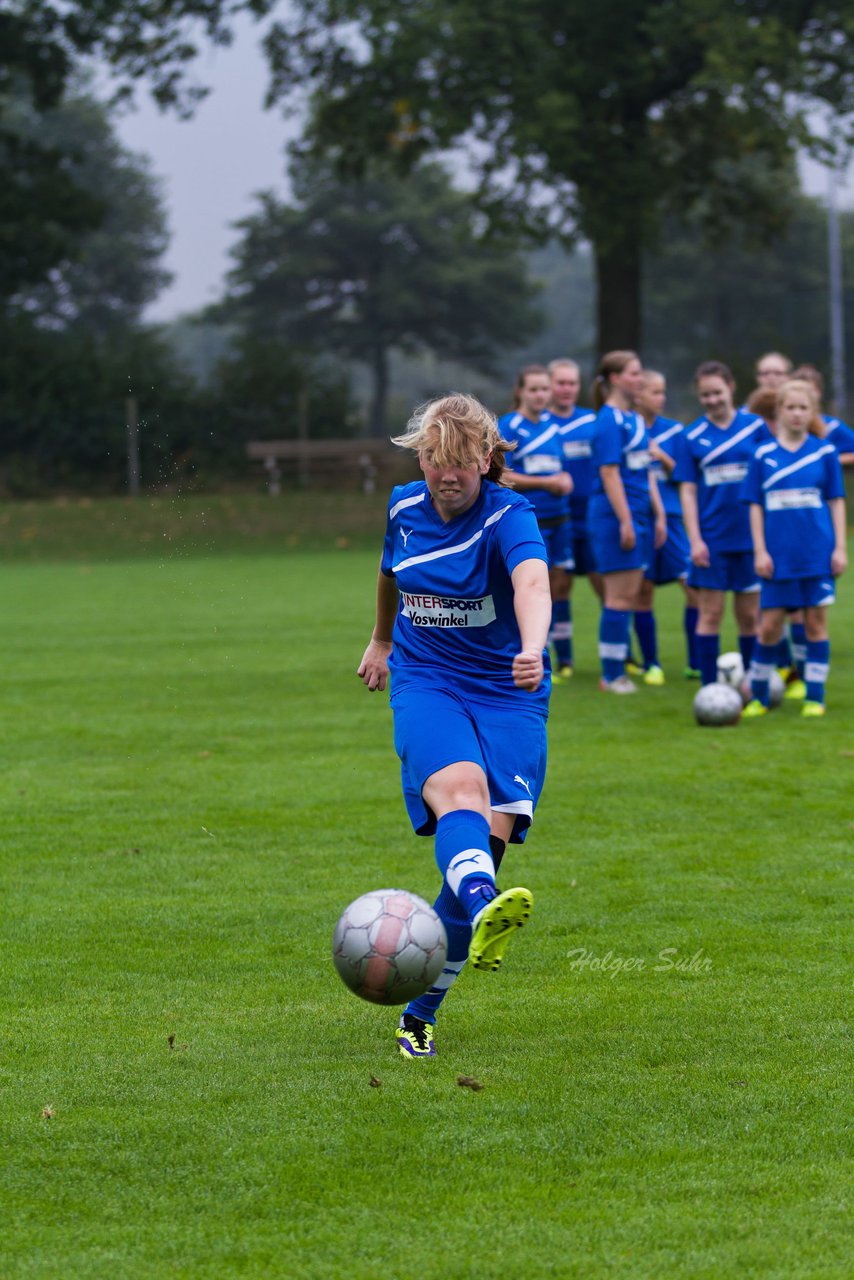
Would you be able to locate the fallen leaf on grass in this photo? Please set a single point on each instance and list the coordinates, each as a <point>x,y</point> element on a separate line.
<point>180,1048</point>
<point>469,1082</point>
<point>203,755</point>
<point>739,1084</point>
<point>48,1112</point>
<point>375,1082</point>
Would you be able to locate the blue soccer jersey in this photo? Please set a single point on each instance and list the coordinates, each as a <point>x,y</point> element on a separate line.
<point>456,616</point>
<point>537,453</point>
<point>621,439</point>
<point>716,461</point>
<point>840,435</point>
<point>576,435</point>
<point>665,432</point>
<point>793,487</point>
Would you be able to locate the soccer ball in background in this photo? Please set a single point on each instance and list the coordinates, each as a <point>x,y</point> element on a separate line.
<point>731,669</point>
<point>717,704</point>
<point>776,689</point>
<point>389,946</point>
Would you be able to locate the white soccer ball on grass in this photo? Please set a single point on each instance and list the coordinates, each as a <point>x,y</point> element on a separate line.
<point>389,946</point>
<point>717,705</point>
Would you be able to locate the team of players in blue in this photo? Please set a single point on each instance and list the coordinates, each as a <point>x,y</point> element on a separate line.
<point>476,572</point>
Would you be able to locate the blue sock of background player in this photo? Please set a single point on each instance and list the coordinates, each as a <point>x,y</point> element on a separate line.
<point>761,668</point>
<point>708,648</point>
<point>560,634</point>
<point>647,634</point>
<point>690,625</point>
<point>614,627</point>
<point>799,646</point>
<point>816,669</point>
<point>745,647</point>
<point>458,929</point>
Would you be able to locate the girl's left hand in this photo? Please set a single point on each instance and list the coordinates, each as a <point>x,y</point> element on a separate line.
<point>839,562</point>
<point>660,530</point>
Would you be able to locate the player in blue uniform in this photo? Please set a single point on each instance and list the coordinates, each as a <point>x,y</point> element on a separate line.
<point>797,516</point>
<point>835,430</point>
<point>625,518</point>
<point>670,563</point>
<point>463,610</point>
<point>536,468</point>
<point>713,457</point>
<point>576,427</point>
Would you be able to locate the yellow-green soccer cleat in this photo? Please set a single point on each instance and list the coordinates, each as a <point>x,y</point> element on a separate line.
<point>653,676</point>
<point>415,1037</point>
<point>562,673</point>
<point>753,709</point>
<point>812,709</point>
<point>796,690</point>
<point>496,925</point>
<point>633,668</point>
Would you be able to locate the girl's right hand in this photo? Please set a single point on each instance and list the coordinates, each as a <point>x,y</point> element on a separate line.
<point>700,554</point>
<point>764,565</point>
<point>628,537</point>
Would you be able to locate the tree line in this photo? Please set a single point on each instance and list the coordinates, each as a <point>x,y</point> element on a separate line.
<point>653,168</point>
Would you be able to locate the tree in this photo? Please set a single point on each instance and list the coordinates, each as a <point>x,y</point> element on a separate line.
<point>592,117</point>
<point>107,273</point>
<point>43,209</point>
<point>376,262</point>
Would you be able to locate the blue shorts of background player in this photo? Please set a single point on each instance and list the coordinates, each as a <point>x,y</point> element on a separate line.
<point>797,593</point>
<point>582,554</point>
<point>435,727</point>
<point>672,562</point>
<point>603,532</point>
<point>558,540</point>
<point>727,571</point>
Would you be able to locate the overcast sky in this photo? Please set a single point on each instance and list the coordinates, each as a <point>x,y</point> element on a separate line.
<point>211,165</point>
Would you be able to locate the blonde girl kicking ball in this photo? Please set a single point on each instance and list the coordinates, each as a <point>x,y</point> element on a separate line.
<point>797,518</point>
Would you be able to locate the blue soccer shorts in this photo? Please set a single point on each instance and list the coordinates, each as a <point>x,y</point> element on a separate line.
<point>603,530</point>
<point>435,727</point>
<point>558,540</point>
<point>672,561</point>
<point>798,593</point>
<point>728,571</point>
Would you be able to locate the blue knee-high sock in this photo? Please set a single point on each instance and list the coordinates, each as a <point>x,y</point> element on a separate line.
<point>561,632</point>
<point>798,632</point>
<point>647,634</point>
<point>458,929</point>
<point>707,655</point>
<point>816,669</point>
<point>614,642</point>
<point>690,625</point>
<point>745,647</point>
<point>783,653</point>
<point>464,859</point>
<point>761,668</point>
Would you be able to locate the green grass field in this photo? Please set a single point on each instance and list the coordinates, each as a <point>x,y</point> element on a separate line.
<point>194,783</point>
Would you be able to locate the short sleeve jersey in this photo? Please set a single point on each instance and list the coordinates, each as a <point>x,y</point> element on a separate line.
<point>793,487</point>
<point>666,432</point>
<point>621,439</point>
<point>576,436</point>
<point>456,614</point>
<point>537,453</point>
<point>716,461</point>
<point>840,435</point>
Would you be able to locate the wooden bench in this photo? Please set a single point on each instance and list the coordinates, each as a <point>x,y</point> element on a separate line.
<point>329,463</point>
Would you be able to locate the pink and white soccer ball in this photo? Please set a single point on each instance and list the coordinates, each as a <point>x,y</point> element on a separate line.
<point>389,946</point>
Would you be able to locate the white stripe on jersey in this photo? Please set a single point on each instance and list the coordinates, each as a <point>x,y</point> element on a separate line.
<point>698,430</point>
<point>406,502</point>
<point>766,448</point>
<point>796,466</point>
<point>736,439</point>
<point>578,422</point>
<point>540,439</point>
<point>640,427</point>
<point>665,435</point>
<point>450,551</point>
